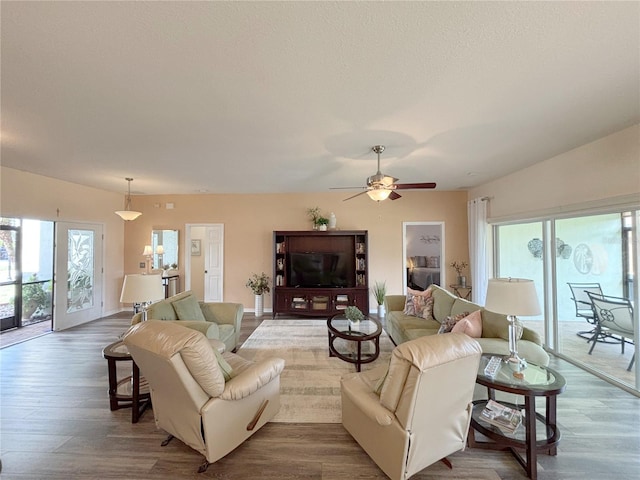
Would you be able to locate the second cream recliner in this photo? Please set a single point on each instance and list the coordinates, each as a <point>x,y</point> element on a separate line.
<point>423,409</point>
<point>192,399</point>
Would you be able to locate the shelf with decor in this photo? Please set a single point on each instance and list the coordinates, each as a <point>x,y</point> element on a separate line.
<point>319,273</point>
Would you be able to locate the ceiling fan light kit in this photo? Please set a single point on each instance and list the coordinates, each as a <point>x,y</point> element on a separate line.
<point>127,214</point>
<point>379,194</point>
<point>380,186</point>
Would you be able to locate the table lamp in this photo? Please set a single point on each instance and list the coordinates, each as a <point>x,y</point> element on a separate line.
<point>148,252</point>
<point>160,253</point>
<point>511,297</point>
<point>142,290</point>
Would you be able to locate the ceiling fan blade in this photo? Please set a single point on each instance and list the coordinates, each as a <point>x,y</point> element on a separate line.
<point>394,196</point>
<point>354,196</point>
<point>408,186</point>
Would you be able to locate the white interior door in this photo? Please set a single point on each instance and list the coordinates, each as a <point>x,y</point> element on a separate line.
<point>213,262</point>
<point>78,274</point>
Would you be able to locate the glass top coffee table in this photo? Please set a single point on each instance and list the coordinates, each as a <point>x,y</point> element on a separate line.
<point>534,381</point>
<point>354,343</point>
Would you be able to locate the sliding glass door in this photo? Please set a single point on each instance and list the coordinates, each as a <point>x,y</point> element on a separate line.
<point>10,274</point>
<point>566,257</point>
<point>26,272</point>
<point>520,255</point>
<point>600,260</point>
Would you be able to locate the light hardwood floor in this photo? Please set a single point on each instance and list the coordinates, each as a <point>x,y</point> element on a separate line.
<point>56,424</point>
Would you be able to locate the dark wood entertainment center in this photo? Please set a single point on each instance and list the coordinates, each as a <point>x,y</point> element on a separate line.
<point>320,300</point>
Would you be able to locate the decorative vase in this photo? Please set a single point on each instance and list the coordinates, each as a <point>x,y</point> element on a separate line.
<point>381,311</point>
<point>322,228</point>
<point>354,324</point>
<point>462,281</point>
<point>259,306</point>
<point>332,221</point>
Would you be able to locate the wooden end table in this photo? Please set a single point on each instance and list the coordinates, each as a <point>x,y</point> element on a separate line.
<point>131,391</point>
<point>367,330</point>
<point>538,381</point>
<point>460,290</point>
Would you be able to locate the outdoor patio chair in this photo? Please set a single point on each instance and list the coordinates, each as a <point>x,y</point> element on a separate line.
<point>584,309</point>
<point>614,314</point>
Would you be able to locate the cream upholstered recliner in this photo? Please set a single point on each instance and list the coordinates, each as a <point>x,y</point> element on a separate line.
<point>423,410</point>
<point>191,398</point>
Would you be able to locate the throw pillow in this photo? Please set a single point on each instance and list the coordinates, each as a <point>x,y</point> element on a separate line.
<point>161,311</point>
<point>415,302</point>
<point>225,368</point>
<point>471,325</point>
<point>427,313</point>
<point>188,308</point>
<point>450,322</point>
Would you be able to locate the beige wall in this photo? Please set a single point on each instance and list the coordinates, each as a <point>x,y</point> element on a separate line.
<point>24,195</point>
<point>249,221</point>
<point>600,172</point>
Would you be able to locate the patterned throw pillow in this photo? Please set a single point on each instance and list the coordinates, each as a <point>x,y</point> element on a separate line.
<point>416,302</point>
<point>450,322</point>
<point>427,313</point>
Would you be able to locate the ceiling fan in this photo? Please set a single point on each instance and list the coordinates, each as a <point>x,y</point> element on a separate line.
<point>380,186</point>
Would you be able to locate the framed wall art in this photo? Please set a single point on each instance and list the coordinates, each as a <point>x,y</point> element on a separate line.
<point>196,248</point>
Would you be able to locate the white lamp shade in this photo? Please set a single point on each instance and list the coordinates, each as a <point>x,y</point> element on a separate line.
<point>379,194</point>
<point>141,288</point>
<point>160,250</point>
<point>512,296</point>
<point>147,250</point>
<point>128,215</point>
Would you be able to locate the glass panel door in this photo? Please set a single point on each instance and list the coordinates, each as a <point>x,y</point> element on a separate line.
<point>10,274</point>
<point>37,271</point>
<point>78,274</point>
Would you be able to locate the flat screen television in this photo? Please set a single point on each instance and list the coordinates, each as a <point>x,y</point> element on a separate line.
<point>318,269</point>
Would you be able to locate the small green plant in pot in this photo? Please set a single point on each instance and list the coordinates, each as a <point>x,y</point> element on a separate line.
<point>353,314</point>
<point>379,291</point>
<point>320,222</point>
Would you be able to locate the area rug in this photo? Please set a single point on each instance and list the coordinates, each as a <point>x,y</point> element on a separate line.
<point>310,382</point>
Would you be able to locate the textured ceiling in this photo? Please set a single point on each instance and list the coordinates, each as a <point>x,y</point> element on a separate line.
<point>254,97</point>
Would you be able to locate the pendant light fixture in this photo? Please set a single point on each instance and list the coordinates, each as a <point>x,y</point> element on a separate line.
<point>128,214</point>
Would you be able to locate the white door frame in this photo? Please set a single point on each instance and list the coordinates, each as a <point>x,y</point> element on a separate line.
<point>187,254</point>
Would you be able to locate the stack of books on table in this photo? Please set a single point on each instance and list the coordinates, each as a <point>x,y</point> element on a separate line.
<point>505,418</point>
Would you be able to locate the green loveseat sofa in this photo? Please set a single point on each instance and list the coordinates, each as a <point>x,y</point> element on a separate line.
<point>217,320</point>
<point>495,327</point>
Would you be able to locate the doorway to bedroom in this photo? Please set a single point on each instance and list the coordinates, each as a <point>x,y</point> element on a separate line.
<point>423,251</point>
